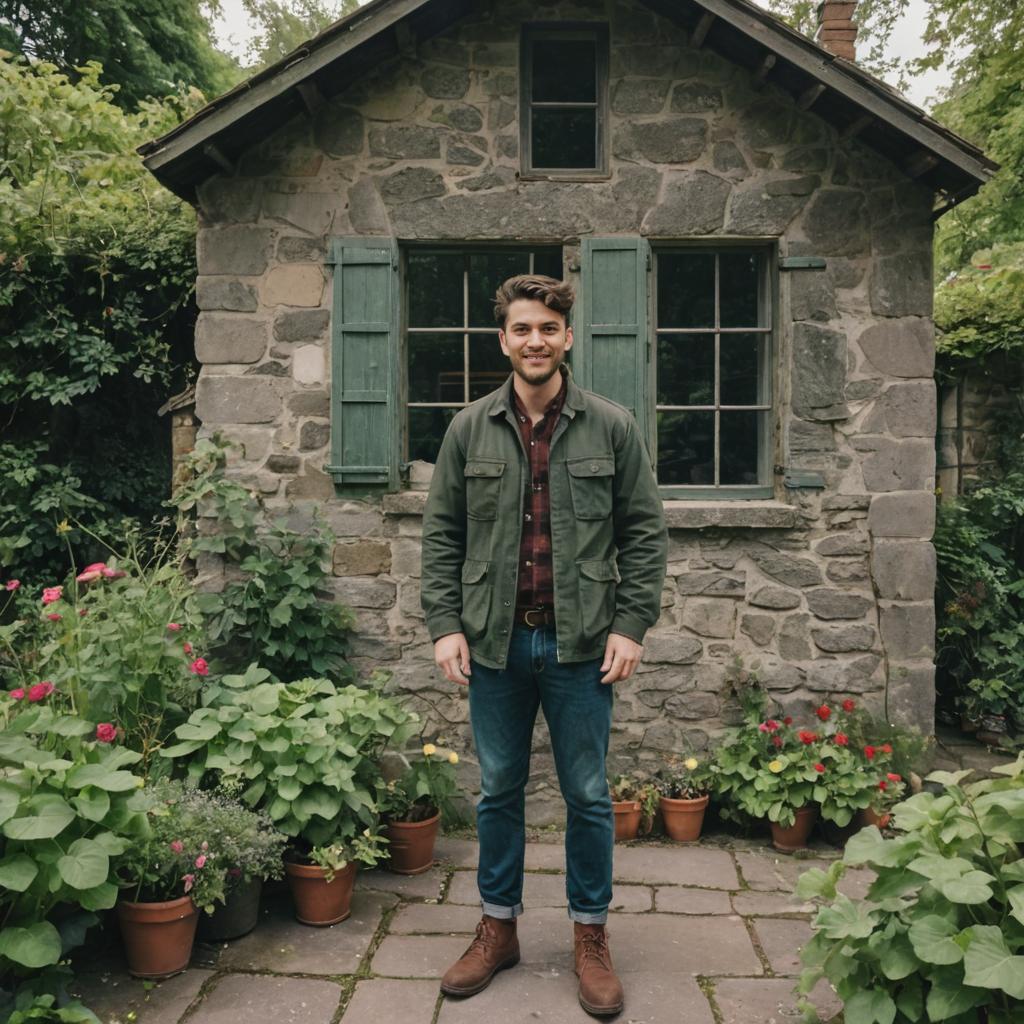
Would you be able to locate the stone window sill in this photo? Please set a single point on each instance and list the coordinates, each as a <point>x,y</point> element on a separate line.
<point>679,515</point>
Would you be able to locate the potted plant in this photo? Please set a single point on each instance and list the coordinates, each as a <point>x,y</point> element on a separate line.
<point>322,878</point>
<point>249,853</point>
<point>634,804</point>
<point>412,807</point>
<point>683,787</point>
<point>166,878</point>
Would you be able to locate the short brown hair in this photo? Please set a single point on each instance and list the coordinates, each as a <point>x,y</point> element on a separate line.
<point>557,295</point>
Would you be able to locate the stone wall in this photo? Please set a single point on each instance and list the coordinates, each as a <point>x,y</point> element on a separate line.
<point>829,591</point>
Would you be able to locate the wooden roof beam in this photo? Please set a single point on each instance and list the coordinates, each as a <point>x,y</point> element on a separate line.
<point>854,128</point>
<point>216,154</point>
<point>761,74</point>
<point>700,33</point>
<point>311,95</point>
<point>920,163</point>
<point>810,96</point>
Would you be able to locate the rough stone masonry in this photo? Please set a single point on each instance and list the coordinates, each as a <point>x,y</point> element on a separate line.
<point>825,591</point>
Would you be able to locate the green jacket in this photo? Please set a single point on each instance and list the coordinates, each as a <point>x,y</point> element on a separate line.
<point>608,536</point>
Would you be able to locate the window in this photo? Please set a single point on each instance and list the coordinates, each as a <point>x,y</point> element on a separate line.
<point>452,354</point>
<point>711,361</point>
<point>564,76</point>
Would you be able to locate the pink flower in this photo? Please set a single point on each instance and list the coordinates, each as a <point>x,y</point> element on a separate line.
<point>112,574</point>
<point>94,567</point>
<point>54,617</point>
<point>848,705</point>
<point>105,732</point>
<point>762,727</point>
<point>201,860</point>
<point>51,594</point>
<point>189,881</point>
<point>823,712</point>
<point>173,626</point>
<point>772,724</point>
<point>886,748</point>
<point>893,777</point>
<point>187,647</point>
<point>842,739</point>
<point>177,846</point>
<point>18,694</point>
<point>199,667</point>
<point>91,572</point>
<point>39,692</point>
<point>12,585</point>
<point>777,740</point>
<point>819,767</point>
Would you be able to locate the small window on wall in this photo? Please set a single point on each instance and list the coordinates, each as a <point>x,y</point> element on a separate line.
<point>563,111</point>
<point>712,371</point>
<point>453,355</point>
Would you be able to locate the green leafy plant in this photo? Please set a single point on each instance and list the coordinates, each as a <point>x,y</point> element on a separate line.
<point>248,846</point>
<point>685,778</point>
<point>427,787</point>
<point>940,933</point>
<point>44,1009</point>
<point>307,752</point>
<point>639,787</point>
<point>368,848</point>
<point>275,608</point>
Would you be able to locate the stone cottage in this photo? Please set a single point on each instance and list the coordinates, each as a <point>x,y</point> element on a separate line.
<point>747,217</point>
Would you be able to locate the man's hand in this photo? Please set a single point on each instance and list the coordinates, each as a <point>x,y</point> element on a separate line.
<point>621,657</point>
<point>451,655</point>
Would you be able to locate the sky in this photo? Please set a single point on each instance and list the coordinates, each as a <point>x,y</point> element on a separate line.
<point>233,33</point>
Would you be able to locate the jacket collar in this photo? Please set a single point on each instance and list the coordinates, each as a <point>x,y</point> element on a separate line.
<point>500,401</point>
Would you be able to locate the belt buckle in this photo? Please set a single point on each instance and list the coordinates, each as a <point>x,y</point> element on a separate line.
<point>532,611</point>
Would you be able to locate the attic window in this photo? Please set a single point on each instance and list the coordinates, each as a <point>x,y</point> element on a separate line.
<point>564,100</point>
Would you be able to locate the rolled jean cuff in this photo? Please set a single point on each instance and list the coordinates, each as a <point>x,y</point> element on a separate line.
<point>581,918</point>
<point>501,913</point>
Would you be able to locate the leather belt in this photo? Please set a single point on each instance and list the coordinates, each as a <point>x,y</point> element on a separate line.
<point>535,618</point>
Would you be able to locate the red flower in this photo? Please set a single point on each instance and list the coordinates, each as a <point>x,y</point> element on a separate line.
<point>18,694</point>
<point>886,748</point>
<point>772,724</point>
<point>12,585</point>
<point>54,617</point>
<point>83,611</point>
<point>39,691</point>
<point>869,752</point>
<point>763,727</point>
<point>187,647</point>
<point>819,767</point>
<point>51,594</point>
<point>201,860</point>
<point>91,572</point>
<point>883,784</point>
<point>788,720</point>
<point>893,777</point>
<point>806,737</point>
<point>173,626</point>
<point>106,733</point>
<point>777,740</point>
<point>842,739</point>
<point>199,667</point>
<point>823,712</point>
<point>848,704</point>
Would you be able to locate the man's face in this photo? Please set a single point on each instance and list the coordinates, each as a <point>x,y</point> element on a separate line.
<point>535,339</point>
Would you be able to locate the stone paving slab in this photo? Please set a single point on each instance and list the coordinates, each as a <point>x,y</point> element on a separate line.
<point>379,1000</point>
<point>417,956</point>
<point>281,945</point>
<point>752,903</point>
<point>434,919</point>
<point>677,899</point>
<point>682,945</point>
<point>781,940</point>
<point>519,996</point>
<point>767,870</point>
<point>262,999</point>
<point>112,996</point>
<point>769,1000</point>
<point>459,853</point>
<point>680,865</point>
<point>424,887</point>
<point>547,891</point>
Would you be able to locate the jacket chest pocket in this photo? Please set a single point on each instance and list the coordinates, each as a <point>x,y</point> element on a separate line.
<point>483,487</point>
<point>590,481</point>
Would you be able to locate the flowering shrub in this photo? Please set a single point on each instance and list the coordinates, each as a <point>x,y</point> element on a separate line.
<point>424,789</point>
<point>684,778</point>
<point>637,786</point>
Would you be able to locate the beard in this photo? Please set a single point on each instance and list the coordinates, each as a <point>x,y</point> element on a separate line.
<point>539,374</point>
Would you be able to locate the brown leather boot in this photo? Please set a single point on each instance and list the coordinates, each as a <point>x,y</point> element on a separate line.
<point>600,988</point>
<point>495,947</point>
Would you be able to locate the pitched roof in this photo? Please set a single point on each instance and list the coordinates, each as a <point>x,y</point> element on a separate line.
<point>854,101</point>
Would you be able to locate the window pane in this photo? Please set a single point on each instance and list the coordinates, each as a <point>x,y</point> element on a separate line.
<point>564,139</point>
<point>564,71</point>
<point>488,365</point>
<point>737,289</point>
<point>426,431</point>
<point>548,261</point>
<point>739,438</point>
<point>740,359</point>
<point>486,272</point>
<point>435,368</point>
<point>686,290</point>
<point>686,369</point>
<point>435,289</point>
<point>686,448</point>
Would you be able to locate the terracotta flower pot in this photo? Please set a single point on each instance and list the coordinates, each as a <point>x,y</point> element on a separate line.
<point>683,819</point>
<point>317,901</point>
<point>869,816</point>
<point>237,916</point>
<point>411,845</point>
<point>158,937</point>
<point>794,837</point>
<point>627,819</point>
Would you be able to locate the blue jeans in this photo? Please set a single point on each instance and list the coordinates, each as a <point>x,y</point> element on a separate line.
<point>578,709</point>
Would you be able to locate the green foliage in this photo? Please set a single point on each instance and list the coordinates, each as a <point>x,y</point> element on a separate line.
<point>640,788</point>
<point>685,778</point>
<point>45,1010</point>
<point>149,49</point>
<point>940,933</point>
<point>427,787</point>
<point>97,267</point>
<point>307,752</point>
<point>368,848</point>
<point>284,27</point>
<point>276,613</point>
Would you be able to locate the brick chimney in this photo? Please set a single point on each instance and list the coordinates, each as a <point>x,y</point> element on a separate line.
<point>837,31</point>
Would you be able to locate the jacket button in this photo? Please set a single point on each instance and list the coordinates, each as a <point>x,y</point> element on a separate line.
<point>594,467</point>
<point>508,604</point>
<point>477,470</point>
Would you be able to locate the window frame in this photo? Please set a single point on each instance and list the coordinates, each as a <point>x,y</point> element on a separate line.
<point>769,283</point>
<point>568,30</point>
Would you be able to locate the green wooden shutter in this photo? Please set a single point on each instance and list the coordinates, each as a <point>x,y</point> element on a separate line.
<point>364,362</point>
<point>612,356</point>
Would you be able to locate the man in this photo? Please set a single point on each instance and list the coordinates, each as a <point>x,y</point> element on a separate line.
<point>544,550</point>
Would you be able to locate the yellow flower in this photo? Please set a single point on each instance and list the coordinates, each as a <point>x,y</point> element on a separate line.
<point>775,766</point>
<point>63,527</point>
<point>429,748</point>
<point>453,758</point>
<point>691,763</point>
